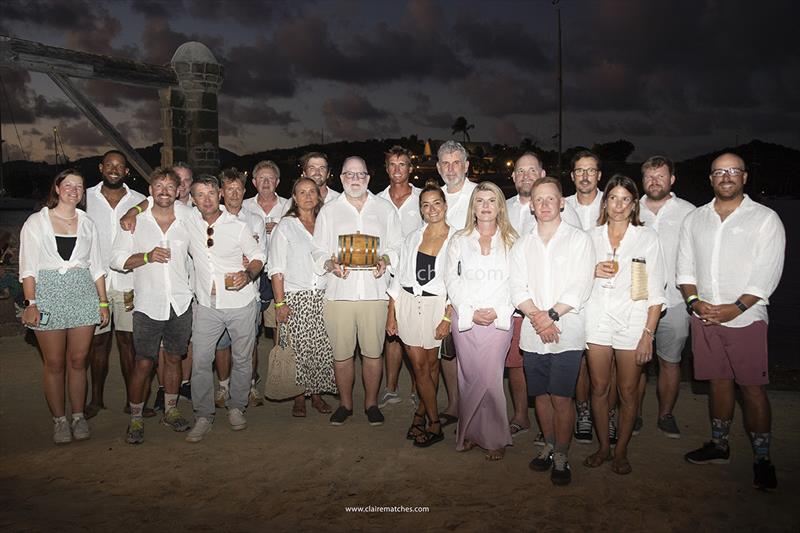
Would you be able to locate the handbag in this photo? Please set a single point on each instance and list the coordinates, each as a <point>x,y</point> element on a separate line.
<point>281,381</point>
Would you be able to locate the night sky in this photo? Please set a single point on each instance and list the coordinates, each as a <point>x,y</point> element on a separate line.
<point>675,77</point>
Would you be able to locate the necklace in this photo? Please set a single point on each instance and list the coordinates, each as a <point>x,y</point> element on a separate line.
<point>73,217</point>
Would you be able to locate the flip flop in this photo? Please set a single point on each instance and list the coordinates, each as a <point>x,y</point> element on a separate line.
<point>621,466</point>
<point>447,419</point>
<point>595,460</point>
<point>517,429</point>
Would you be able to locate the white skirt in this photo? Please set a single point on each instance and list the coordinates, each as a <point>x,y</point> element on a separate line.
<point>418,317</point>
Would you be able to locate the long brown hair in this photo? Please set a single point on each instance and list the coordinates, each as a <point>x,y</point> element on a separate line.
<point>507,232</point>
<point>293,211</point>
<point>618,180</point>
<point>52,196</point>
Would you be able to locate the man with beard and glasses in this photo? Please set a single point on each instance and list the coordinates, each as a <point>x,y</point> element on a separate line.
<point>106,203</point>
<point>315,166</point>
<point>663,211</point>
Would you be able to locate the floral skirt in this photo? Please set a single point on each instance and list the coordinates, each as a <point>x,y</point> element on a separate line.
<point>307,335</point>
<point>70,299</point>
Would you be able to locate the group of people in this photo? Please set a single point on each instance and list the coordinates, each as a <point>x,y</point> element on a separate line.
<point>572,296</point>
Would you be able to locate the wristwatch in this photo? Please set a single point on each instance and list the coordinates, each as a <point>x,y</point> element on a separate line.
<point>28,303</point>
<point>553,314</point>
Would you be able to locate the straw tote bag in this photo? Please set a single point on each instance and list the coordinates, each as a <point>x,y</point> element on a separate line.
<point>281,369</point>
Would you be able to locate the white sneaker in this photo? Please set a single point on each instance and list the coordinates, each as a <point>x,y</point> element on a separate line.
<point>61,432</point>
<point>201,428</point>
<point>80,429</point>
<point>237,419</point>
<point>221,397</point>
<point>389,397</point>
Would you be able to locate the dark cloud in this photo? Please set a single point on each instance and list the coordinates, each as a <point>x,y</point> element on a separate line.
<point>502,93</point>
<point>77,135</point>
<point>161,41</point>
<point>54,109</point>
<point>247,73</point>
<point>352,116</point>
<point>258,114</point>
<point>53,13</point>
<point>15,103</point>
<point>424,115</point>
<point>512,42</point>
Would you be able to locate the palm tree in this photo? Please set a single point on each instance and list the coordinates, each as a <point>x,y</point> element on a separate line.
<point>461,125</point>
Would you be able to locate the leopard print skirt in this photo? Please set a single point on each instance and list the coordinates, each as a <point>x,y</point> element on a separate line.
<point>307,335</point>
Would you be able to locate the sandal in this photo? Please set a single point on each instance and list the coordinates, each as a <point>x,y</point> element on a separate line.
<point>429,438</point>
<point>621,466</point>
<point>447,419</point>
<point>416,430</point>
<point>596,459</point>
<point>299,409</point>
<point>322,407</point>
<point>517,429</point>
<point>495,455</point>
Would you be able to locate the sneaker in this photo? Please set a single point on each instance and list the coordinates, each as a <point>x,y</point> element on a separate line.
<point>341,414</point>
<point>61,432</point>
<point>158,405</point>
<point>669,426</point>
<point>539,439</point>
<point>560,474</point>
<point>221,397</point>
<point>543,461</point>
<point>583,427</point>
<point>709,453</point>
<point>637,425</point>
<point>254,399</point>
<point>236,419</point>
<point>80,429</point>
<point>201,428</point>
<point>135,431</point>
<point>374,416</point>
<point>389,397</point>
<point>764,475</point>
<point>186,390</point>
<point>414,399</point>
<point>175,421</point>
<point>612,429</point>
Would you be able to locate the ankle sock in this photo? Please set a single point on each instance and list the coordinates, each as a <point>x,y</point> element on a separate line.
<point>77,416</point>
<point>582,407</point>
<point>760,443</point>
<point>719,432</point>
<point>57,419</point>
<point>170,402</point>
<point>136,410</point>
<point>224,383</point>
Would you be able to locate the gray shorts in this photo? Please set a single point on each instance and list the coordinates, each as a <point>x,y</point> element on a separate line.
<point>148,334</point>
<point>673,329</point>
<point>552,373</point>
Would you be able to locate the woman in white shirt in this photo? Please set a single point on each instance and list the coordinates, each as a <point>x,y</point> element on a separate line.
<point>63,280</point>
<point>299,297</point>
<point>477,279</point>
<point>622,313</point>
<point>418,310</point>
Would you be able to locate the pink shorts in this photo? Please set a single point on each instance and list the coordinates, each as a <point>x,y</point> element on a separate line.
<point>514,357</point>
<point>722,352</point>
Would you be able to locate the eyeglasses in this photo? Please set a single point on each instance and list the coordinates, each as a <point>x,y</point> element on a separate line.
<point>210,233</point>
<point>355,175</point>
<point>733,172</point>
<point>585,172</point>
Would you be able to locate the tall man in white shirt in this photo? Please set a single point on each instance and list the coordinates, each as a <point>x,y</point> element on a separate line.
<point>106,203</point>
<point>356,301</point>
<point>157,255</point>
<point>404,197</point>
<point>663,211</point>
<point>315,166</point>
<point>226,299</point>
<point>552,272</point>
<point>730,260</point>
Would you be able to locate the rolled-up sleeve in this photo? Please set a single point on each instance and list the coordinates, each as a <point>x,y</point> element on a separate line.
<point>769,255</point>
<point>685,273</point>
<point>29,247</point>
<point>250,247</point>
<point>121,250</point>
<point>579,287</point>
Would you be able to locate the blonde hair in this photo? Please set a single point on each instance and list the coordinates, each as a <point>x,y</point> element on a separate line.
<point>507,232</point>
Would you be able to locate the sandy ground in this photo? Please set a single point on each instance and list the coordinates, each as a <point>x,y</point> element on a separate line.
<point>286,474</point>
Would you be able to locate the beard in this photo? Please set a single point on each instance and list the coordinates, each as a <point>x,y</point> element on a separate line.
<point>658,194</point>
<point>111,185</point>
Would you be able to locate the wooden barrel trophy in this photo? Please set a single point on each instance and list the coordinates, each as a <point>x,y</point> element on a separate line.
<point>358,251</point>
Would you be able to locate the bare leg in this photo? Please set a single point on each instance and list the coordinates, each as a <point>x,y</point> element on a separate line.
<point>79,340</point>
<point>519,396</point>
<point>394,360</point>
<point>422,361</point>
<point>599,361</point>
<point>344,371</point>
<point>669,380</point>
<point>371,373</point>
<point>628,373</point>
<point>126,354</point>
<point>563,418</point>
<point>52,345</point>
<point>450,373</point>
<point>757,411</point>
<point>98,357</point>
<point>546,415</point>
<point>222,360</point>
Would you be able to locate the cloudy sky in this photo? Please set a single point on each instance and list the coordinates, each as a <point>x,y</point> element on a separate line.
<point>681,77</point>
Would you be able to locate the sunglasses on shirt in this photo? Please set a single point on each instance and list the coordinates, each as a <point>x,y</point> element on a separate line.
<point>210,233</point>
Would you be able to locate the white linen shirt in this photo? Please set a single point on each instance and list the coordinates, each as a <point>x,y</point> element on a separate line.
<point>406,271</point>
<point>742,255</point>
<point>157,286</point>
<point>232,240</point>
<point>561,271</point>
<point>38,250</point>
<point>410,218</point>
<point>638,242</point>
<point>458,205</point>
<point>278,210</point>
<point>667,224</point>
<point>290,255</point>
<point>377,217</point>
<point>106,220</point>
<point>587,214</point>
<point>475,281</point>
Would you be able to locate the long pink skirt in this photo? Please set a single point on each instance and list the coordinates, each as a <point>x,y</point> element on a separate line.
<point>481,355</point>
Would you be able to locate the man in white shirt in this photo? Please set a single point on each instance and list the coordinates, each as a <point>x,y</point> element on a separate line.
<point>315,166</point>
<point>661,210</point>
<point>586,201</point>
<point>552,271</point>
<point>226,299</point>
<point>106,203</point>
<point>730,260</point>
<point>186,176</point>
<point>157,255</point>
<point>356,301</point>
<point>404,197</point>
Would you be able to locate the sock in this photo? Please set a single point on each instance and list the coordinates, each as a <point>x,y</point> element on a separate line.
<point>546,450</point>
<point>550,441</point>
<point>184,382</point>
<point>223,383</point>
<point>57,419</point>
<point>582,406</point>
<point>170,402</point>
<point>252,383</point>
<point>719,432</point>
<point>136,410</point>
<point>76,416</point>
<point>760,442</point>
<point>561,447</point>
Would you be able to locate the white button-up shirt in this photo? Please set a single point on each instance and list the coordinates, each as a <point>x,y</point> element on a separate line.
<point>339,217</point>
<point>742,255</point>
<point>106,220</point>
<point>458,205</point>
<point>406,271</point>
<point>638,242</point>
<point>410,218</point>
<point>278,210</point>
<point>667,224</point>
<point>290,255</point>
<point>232,239</point>
<point>331,196</point>
<point>524,221</point>
<point>587,214</point>
<point>157,286</point>
<point>475,281</point>
<point>38,250</point>
<point>561,271</point>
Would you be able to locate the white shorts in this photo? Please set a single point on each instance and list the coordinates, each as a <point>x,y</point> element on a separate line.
<point>418,317</point>
<point>609,332</point>
<point>672,332</point>
<point>121,319</point>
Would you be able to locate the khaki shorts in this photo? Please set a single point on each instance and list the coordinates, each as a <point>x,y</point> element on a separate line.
<point>347,321</point>
<point>120,318</point>
<point>269,316</point>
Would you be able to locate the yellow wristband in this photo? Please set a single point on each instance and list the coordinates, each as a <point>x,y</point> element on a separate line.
<point>145,259</point>
<point>446,318</point>
<point>139,209</point>
<point>103,304</point>
<point>279,304</point>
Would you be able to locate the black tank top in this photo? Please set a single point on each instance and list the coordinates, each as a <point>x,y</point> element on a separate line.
<point>425,268</point>
<point>65,245</point>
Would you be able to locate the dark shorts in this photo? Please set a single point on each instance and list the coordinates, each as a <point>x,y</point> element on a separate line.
<point>554,374</point>
<point>148,334</point>
<point>722,352</point>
